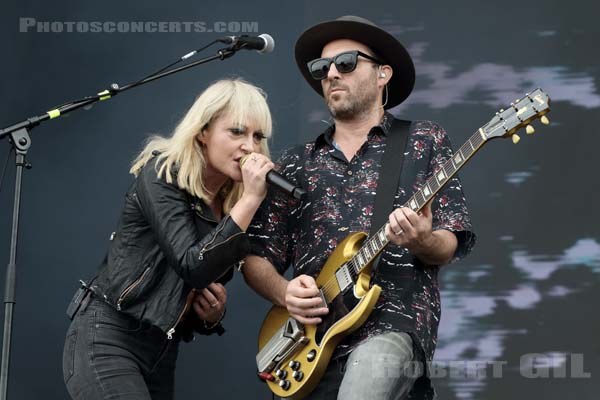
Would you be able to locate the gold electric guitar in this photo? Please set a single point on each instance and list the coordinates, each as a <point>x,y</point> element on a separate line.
<point>293,357</point>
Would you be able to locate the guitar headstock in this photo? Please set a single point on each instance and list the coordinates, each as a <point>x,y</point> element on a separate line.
<point>520,113</point>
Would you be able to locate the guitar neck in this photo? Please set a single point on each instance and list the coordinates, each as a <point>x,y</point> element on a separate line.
<point>377,242</point>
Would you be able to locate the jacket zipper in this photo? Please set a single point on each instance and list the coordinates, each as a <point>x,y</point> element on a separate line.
<point>171,331</point>
<point>132,286</point>
<point>219,231</point>
<point>222,243</point>
<point>206,246</point>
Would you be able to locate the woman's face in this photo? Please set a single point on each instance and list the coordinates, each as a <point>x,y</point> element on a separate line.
<point>224,143</point>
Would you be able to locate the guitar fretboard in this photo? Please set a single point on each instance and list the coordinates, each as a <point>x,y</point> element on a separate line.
<point>377,242</point>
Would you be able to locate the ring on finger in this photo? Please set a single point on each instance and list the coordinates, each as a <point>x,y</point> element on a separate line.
<point>398,233</point>
<point>213,305</point>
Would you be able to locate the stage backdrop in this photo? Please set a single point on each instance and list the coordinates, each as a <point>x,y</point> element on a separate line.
<point>519,314</point>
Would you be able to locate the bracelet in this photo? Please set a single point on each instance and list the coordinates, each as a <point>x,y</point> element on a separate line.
<point>215,324</point>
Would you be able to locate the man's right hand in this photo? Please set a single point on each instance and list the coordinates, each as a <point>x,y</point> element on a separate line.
<point>303,300</point>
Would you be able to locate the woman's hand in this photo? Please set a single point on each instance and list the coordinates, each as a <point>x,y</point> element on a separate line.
<point>254,172</point>
<point>209,303</point>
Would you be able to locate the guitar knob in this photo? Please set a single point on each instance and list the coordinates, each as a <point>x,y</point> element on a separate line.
<point>311,355</point>
<point>529,129</point>
<point>281,374</point>
<point>515,138</point>
<point>545,120</point>
<point>285,385</point>
<point>298,375</point>
<point>294,365</point>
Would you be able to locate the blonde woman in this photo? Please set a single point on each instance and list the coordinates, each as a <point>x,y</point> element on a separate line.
<point>181,230</point>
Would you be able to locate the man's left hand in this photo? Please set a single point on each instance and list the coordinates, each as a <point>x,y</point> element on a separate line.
<point>409,229</point>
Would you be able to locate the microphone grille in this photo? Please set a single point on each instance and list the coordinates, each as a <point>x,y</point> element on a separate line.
<point>269,43</point>
<point>243,159</point>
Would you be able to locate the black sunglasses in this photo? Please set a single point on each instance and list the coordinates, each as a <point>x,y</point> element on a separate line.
<point>344,62</point>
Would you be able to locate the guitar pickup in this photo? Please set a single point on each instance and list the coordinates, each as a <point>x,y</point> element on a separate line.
<point>344,279</point>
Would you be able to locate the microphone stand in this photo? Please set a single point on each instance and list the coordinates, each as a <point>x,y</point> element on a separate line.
<point>18,135</point>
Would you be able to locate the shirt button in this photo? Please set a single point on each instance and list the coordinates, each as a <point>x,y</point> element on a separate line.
<point>349,172</point>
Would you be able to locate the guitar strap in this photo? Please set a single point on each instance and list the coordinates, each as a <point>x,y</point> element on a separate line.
<point>389,175</point>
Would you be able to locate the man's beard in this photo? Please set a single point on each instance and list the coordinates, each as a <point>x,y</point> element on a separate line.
<point>356,104</point>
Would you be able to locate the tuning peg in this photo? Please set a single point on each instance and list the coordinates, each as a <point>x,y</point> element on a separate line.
<point>544,120</point>
<point>515,138</point>
<point>529,129</point>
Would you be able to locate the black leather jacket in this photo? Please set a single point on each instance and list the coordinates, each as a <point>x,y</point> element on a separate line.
<point>167,242</point>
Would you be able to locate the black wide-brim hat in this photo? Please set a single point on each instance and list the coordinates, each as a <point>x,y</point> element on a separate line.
<point>385,46</point>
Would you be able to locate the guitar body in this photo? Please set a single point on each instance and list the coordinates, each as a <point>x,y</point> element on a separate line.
<point>348,311</point>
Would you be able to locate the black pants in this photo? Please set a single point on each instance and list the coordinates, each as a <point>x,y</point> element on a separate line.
<point>109,355</point>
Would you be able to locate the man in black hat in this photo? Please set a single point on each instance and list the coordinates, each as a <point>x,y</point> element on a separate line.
<point>361,70</point>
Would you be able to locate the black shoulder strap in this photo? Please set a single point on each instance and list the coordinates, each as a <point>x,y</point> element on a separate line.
<point>389,174</point>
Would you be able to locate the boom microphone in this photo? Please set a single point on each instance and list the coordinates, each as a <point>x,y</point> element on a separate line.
<point>263,43</point>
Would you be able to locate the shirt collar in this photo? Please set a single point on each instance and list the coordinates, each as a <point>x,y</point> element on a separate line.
<point>382,128</point>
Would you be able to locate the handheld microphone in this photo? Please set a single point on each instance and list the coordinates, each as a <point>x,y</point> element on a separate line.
<point>274,178</point>
<point>263,43</point>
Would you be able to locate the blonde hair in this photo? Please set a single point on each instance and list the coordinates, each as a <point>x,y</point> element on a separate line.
<point>181,155</point>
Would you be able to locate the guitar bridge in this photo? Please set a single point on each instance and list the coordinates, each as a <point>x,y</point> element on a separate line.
<point>287,340</point>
